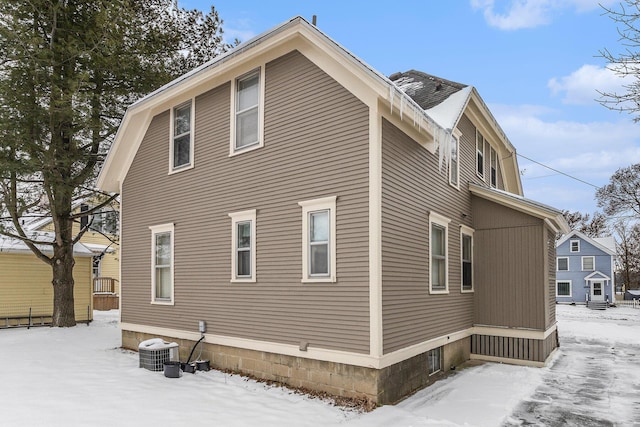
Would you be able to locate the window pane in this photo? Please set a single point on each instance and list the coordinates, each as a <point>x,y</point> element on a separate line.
<point>163,282</point>
<point>563,264</point>
<point>588,263</point>
<point>466,247</point>
<point>244,235</point>
<point>247,128</point>
<point>244,264</point>
<point>319,258</point>
<point>564,289</point>
<point>182,120</point>
<point>163,249</point>
<point>248,92</point>
<point>181,148</point>
<point>467,283</point>
<point>438,274</point>
<point>437,240</point>
<point>434,358</point>
<point>319,226</point>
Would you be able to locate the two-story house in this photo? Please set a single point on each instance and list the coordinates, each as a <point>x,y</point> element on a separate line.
<point>333,229</point>
<point>585,270</point>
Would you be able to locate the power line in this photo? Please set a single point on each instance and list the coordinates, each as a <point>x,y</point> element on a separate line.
<point>557,171</point>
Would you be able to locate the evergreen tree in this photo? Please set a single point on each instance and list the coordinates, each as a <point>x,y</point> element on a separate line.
<point>68,70</point>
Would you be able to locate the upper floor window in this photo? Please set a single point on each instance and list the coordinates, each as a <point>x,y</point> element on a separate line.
<point>319,240</point>
<point>588,263</point>
<point>162,289</point>
<point>494,167</point>
<point>575,245</point>
<point>466,237</point>
<point>562,264</point>
<point>454,160</point>
<point>248,96</point>
<point>479,154</point>
<point>243,237</point>
<point>182,136</point>
<point>438,227</point>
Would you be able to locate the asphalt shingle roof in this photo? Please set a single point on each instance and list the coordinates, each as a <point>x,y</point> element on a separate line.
<point>427,90</point>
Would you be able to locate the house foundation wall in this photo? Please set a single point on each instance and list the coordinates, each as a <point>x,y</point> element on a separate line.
<point>381,386</point>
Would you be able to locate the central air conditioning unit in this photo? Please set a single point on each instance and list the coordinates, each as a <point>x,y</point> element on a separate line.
<point>155,351</point>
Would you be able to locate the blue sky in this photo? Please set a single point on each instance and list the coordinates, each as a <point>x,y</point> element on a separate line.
<point>534,62</point>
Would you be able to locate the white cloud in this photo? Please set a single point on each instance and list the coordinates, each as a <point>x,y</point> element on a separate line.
<point>582,86</point>
<point>518,14</point>
<point>240,29</point>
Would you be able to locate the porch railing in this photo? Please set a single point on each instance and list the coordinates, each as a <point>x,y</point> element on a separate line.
<point>104,285</point>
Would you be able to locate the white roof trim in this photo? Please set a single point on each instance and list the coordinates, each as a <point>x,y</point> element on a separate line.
<point>576,233</point>
<point>593,277</point>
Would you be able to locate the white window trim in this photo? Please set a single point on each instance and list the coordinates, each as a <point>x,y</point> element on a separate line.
<point>158,229</point>
<point>192,129</point>
<point>570,289</point>
<point>456,134</point>
<point>236,217</point>
<point>325,203</point>
<point>435,218</point>
<point>558,264</point>
<point>481,175</point>
<point>469,232</point>
<point>594,262</point>
<point>571,245</point>
<point>233,151</point>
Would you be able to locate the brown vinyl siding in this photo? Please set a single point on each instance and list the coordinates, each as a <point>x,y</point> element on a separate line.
<point>316,145</point>
<point>510,262</point>
<point>413,186</point>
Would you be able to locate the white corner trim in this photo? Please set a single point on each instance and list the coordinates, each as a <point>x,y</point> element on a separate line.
<point>375,233</point>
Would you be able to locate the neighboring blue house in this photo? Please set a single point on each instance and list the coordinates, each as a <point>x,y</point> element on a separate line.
<point>585,269</point>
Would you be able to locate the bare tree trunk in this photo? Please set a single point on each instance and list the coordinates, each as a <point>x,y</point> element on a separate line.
<point>63,302</point>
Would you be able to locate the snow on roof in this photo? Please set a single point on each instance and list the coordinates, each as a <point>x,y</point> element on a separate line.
<point>608,242</point>
<point>11,245</point>
<point>448,112</point>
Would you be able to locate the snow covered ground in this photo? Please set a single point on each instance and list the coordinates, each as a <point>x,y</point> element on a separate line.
<point>80,377</point>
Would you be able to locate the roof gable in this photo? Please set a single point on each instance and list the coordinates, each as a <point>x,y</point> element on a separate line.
<point>603,243</point>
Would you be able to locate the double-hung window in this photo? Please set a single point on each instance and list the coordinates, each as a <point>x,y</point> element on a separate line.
<point>162,287</point>
<point>319,240</point>
<point>575,245</point>
<point>479,154</point>
<point>438,226</point>
<point>494,167</point>
<point>243,235</point>
<point>181,137</point>
<point>588,263</point>
<point>562,264</point>
<point>563,288</point>
<point>247,118</point>
<point>466,244</point>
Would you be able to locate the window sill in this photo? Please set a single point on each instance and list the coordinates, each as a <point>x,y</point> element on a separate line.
<point>181,169</point>
<point>437,292</point>
<point>467,291</point>
<point>243,280</point>
<point>319,280</point>
<point>162,303</point>
<point>236,152</point>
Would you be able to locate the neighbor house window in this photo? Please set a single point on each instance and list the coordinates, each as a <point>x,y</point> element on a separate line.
<point>105,222</point>
<point>247,106</point>
<point>319,240</point>
<point>454,159</point>
<point>494,167</point>
<point>479,154</point>
<point>466,244</point>
<point>588,263</point>
<point>575,245</point>
<point>434,359</point>
<point>438,227</point>
<point>162,264</point>
<point>563,288</point>
<point>182,137</point>
<point>562,264</point>
<point>243,237</point>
